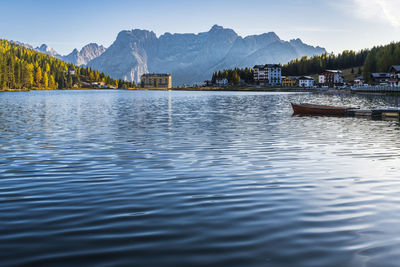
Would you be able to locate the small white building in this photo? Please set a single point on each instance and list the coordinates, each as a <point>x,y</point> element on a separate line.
<point>306,82</point>
<point>321,79</point>
<point>222,82</point>
<point>359,81</point>
<point>395,75</point>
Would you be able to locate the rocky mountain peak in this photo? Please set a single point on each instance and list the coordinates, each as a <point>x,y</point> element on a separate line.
<point>296,41</point>
<point>47,50</point>
<point>86,54</point>
<point>136,34</point>
<point>216,28</point>
<point>220,31</point>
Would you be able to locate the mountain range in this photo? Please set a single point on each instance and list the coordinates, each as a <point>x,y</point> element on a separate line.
<point>79,58</point>
<point>190,58</point>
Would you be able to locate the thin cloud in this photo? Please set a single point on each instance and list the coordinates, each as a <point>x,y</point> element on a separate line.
<point>383,10</point>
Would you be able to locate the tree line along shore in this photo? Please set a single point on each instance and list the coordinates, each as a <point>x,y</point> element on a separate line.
<point>25,69</point>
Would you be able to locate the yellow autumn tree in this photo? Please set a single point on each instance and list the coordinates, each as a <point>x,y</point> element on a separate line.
<point>45,80</point>
<point>30,68</point>
<point>38,76</point>
<point>52,82</point>
<point>47,68</point>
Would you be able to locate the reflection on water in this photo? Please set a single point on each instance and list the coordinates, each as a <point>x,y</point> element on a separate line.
<point>203,178</point>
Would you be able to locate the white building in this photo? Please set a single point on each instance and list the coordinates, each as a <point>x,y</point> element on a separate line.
<point>274,74</point>
<point>222,82</point>
<point>331,78</point>
<point>321,79</point>
<point>269,74</point>
<point>306,81</point>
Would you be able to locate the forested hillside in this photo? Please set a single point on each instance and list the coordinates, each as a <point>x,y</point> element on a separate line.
<point>317,64</point>
<point>23,68</point>
<point>377,59</point>
<point>381,58</point>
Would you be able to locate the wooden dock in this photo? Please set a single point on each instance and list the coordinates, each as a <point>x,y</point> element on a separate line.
<point>376,89</point>
<point>378,114</point>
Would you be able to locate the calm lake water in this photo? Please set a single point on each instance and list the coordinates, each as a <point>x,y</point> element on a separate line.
<point>142,178</point>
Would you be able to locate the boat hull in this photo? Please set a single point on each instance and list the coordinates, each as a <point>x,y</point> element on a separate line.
<point>320,110</point>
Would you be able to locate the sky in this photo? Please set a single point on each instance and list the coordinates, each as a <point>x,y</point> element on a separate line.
<point>336,25</point>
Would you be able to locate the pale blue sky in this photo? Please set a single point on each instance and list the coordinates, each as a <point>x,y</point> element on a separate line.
<point>335,25</point>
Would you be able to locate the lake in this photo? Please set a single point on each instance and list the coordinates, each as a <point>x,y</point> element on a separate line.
<point>158,178</point>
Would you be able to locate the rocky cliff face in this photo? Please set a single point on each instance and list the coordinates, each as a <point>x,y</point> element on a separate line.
<point>192,58</point>
<point>129,55</point>
<point>87,53</point>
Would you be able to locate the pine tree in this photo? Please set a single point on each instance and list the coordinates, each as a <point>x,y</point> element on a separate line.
<point>236,78</point>
<point>69,81</point>
<point>26,75</point>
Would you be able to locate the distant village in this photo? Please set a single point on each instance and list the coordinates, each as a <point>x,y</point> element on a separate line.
<point>270,75</point>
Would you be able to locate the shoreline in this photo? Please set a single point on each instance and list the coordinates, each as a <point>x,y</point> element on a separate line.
<point>47,89</point>
<point>219,89</point>
<point>241,89</point>
<point>224,89</point>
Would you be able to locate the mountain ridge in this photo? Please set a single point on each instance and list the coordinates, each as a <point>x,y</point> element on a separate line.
<point>76,57</point>
<point>192,58</point>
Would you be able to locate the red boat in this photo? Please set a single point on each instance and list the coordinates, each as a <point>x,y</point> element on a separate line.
<point>311,109</point>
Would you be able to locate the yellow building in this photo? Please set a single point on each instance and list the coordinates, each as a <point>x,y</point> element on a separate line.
<point>161,81</point>
<point>289,82</point>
